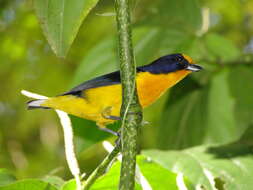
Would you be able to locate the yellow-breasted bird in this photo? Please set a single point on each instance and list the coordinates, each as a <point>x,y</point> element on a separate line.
<point>99,99</point>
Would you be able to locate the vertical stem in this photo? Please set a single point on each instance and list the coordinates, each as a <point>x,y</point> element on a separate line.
<point>131,112</point>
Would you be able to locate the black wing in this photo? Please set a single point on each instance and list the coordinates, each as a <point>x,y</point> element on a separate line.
<point>104,80</point>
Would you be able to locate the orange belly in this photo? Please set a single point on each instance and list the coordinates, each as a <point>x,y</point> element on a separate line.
<point>151,86</point>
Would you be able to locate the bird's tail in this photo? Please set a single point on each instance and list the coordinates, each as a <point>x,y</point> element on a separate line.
<point>33,104</point>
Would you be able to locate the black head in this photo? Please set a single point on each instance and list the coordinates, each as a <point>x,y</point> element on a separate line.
<point>170,63</point>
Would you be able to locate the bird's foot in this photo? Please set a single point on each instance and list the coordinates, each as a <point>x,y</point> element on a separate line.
<point>106,113</point>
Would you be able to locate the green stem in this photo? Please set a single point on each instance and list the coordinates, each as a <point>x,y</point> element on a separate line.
<point>130,111</point>
<point>100,170</point>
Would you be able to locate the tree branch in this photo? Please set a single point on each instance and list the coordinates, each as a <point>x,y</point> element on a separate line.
<point>131,112</point>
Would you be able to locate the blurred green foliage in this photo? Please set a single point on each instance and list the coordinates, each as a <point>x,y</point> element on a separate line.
<point>214,106</point>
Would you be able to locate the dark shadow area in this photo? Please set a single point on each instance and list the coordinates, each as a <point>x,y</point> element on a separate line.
<point>242,147</point>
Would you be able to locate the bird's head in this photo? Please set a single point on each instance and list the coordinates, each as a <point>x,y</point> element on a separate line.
<point>172,63</point>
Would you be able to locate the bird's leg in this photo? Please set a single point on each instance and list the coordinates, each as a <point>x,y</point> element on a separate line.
<point>118,141</point>
<point>103,128</point>
<point>109,131</point>
<point>106,114</point>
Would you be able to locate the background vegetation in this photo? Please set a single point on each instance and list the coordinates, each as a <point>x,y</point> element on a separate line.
<point>202,125</point>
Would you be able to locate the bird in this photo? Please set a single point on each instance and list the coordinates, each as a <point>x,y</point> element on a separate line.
<point>100,99</point>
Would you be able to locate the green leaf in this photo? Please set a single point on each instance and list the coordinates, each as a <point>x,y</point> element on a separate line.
<point>183,118</point>
<point>99,60</point>
<point>221,125</point>
<point>146,42</point>
<point>107,182</point>
<point>195,114</point>
<point>29,184</point>
<point>221,48</point>
<point>6,177</point>
<point>69,185</point>
<point>54,180</point>
<point>224,167</point>
<point>179,14</point>
<point>110,181</point>
<point>157,176</point>
<point>61,19</point>
<point>240,84</point>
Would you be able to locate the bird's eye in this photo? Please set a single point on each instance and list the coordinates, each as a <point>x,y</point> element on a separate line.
<point>179,59</point>
<point>176,59</point>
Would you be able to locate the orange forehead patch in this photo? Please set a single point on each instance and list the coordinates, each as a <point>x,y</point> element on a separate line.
<point>188,58</point>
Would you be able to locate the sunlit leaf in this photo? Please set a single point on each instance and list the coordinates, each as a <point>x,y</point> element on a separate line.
<point>158,177</point>
<point>69,185</point>
<point>6,177</point>
<point>221,167</point>
<point>61,19</point>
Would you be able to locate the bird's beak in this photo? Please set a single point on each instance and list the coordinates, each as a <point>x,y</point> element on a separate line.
<point>194,67</point>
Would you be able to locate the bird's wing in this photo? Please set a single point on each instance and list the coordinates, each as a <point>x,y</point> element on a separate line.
<point>104,80</point>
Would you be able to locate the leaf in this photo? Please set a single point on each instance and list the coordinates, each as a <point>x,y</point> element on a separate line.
<point>195,115</point>
<point>54,180</point>
<point>183,117</point>
<point>110,181</point>
<point>69,185</point>
<point>158,177</point>
<point>6,177</point>
<point>221,48</point>
<point>184,15</point>
<point>240,83</point>
<point>60,21</point>
<point>99,60</point>
<point>107,182</point>
<point>221,125</point>
<point>29,184</point>
<point>211,167</point>
<point>146,42</point>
